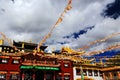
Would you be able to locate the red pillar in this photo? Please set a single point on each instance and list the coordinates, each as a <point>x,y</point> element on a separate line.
<point>62,76</point>
<point>23,76</point>
<point>54,75</point>
<point>7,76</point>
<point>44,75</point>
<point>33,76</point>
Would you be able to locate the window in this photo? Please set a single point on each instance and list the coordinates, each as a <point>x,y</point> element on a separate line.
<point>15,61</point>
<point>7,48</point>
<point>115,76</point>
<point>84,73</point>
<point>78,72</point>
<point>11,50</point>
<point>90,73</point>
<point>2,76</point>
<point>101,74</point>
<point>4,47</point>
<point>3,60</point>
<point>14,77</point>
<point>67,77</point>
<point>66,65</point>
<point>95,73</point>
<point>58,77</point>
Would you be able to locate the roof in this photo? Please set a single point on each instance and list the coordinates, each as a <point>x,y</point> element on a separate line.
<point>111,68</point>
<point>28,45</point>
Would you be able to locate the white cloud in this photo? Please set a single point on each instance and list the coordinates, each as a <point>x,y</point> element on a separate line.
<point>32,19</point>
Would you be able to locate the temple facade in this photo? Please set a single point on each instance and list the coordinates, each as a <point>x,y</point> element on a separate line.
<point>31,65</point>
<point>27,64</point>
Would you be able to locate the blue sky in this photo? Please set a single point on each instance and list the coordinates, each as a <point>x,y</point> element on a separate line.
<point>87,21</point>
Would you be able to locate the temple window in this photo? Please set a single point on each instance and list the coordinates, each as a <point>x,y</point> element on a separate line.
<point>14,77</point>
<point>95,73</point>
<point>101,74</point>
<point>2,76</point>
<point>7,48</point>
<point>67,77</point>
<point>4,47</point>
<point>90,73</point>
<point>84,73</point>
<point>15,61</point>
<point>66,65</point>
<point>78,72</point>
<point>3,60</point>
<point>115,76</point>
<point>58,77</point>
<point>11,50</point>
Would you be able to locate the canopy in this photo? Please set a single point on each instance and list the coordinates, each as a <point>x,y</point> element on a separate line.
<point>39,67</point>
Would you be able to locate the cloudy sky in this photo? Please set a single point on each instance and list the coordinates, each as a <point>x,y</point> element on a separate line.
<point>87,21</point>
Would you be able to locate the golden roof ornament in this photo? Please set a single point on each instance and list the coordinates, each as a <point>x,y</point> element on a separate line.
<point>67,49</point>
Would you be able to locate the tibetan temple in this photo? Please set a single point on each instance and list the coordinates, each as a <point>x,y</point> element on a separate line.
<point>28,64</point>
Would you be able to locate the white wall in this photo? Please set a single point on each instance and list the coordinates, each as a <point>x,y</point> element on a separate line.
<point>79,76</point>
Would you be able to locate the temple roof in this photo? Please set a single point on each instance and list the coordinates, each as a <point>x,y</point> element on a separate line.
<point>28,45</point>
<point>111,68</point>
<point>69,50</point>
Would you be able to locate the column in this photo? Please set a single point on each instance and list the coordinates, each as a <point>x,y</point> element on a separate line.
<point>92,72</point>
<point>23,76</point>
<point>98,73</point>
<point>87,72</point>
<point>54,75</point>
<point>74,73</point>
<point>33,75</point>
<point>44,75</point>
<point>19,77</point>
<point>62,76</point>
<point>111,76</point>
<point>118,75</point>
<point>8,76</point>
<point>103,76</point>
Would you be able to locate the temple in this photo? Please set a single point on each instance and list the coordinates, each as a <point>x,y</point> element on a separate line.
<point>26,63</point>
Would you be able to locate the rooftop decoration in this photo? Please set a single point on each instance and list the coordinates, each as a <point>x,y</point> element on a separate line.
<point>69,50</point>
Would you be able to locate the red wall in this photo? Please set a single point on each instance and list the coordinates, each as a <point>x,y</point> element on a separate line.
<point>68,69</point>
<point>10,66</point>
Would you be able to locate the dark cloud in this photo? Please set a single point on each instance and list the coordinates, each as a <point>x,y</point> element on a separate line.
<point>76,35</point>
<point>113,10</point>
<point>13,1</point>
